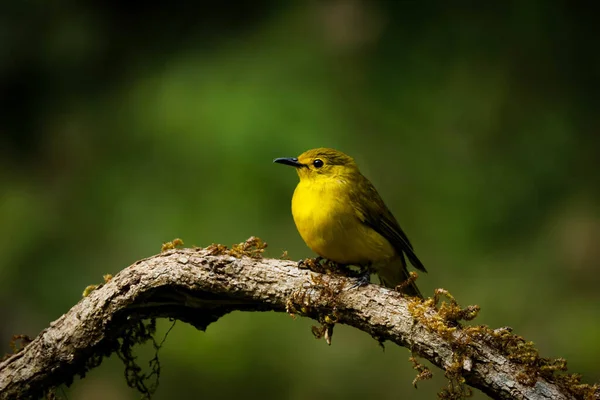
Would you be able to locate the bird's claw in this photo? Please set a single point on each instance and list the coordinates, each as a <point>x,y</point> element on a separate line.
<point>363,279</point>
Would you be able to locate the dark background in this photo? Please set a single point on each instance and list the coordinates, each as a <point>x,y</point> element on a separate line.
<point>126,124</point>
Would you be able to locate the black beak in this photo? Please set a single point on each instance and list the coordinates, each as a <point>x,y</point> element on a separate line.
<point>293,161</point>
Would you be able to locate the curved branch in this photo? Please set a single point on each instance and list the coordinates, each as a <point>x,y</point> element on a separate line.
<point>200,285</point>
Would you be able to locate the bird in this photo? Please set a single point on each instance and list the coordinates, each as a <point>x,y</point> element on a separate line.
<point>340,216</point>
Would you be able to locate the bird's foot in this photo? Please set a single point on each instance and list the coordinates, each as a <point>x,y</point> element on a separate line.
<point>310,263</point>
<point>363,279</point>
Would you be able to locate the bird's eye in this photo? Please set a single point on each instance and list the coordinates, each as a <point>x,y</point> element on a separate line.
<point>318,163</point>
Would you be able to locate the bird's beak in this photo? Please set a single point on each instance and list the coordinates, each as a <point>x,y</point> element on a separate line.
<point>293,161</point>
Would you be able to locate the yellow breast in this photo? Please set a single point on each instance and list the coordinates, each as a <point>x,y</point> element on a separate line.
<point>328,223</point>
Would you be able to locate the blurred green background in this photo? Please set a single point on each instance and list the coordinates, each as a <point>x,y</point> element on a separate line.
<point>127,124</point>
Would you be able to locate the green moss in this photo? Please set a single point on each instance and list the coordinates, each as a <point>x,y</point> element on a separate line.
<point>17,344</point>
<point>253,247</point>
<point>424,373</point>
<point>412,277</point>
<point>323,292</point>
<point>445,319</point>
<point>90,288</point>
<point>216,249</point>
<point>171,245</point>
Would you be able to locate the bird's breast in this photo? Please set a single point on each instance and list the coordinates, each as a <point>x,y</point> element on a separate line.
<point>328,223</point>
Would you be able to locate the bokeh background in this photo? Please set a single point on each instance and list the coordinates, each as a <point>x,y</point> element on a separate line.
<point>127,124</point>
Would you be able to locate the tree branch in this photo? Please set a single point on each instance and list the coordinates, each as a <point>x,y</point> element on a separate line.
<point>199,286</point>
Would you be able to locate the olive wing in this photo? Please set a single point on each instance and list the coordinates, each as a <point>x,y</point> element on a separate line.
<point>373,212</point>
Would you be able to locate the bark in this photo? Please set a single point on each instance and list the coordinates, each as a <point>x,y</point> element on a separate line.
<point>200,285</point>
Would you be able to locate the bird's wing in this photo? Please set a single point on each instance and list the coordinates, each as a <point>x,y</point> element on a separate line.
<point>372,211</point>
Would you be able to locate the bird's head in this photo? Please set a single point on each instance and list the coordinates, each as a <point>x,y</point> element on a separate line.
<point>321,163</point>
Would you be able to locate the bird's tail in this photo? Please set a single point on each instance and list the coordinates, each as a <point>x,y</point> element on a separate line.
<point>395,273</point>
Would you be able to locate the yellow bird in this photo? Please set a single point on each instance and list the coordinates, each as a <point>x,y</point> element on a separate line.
<point>342,218</point>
